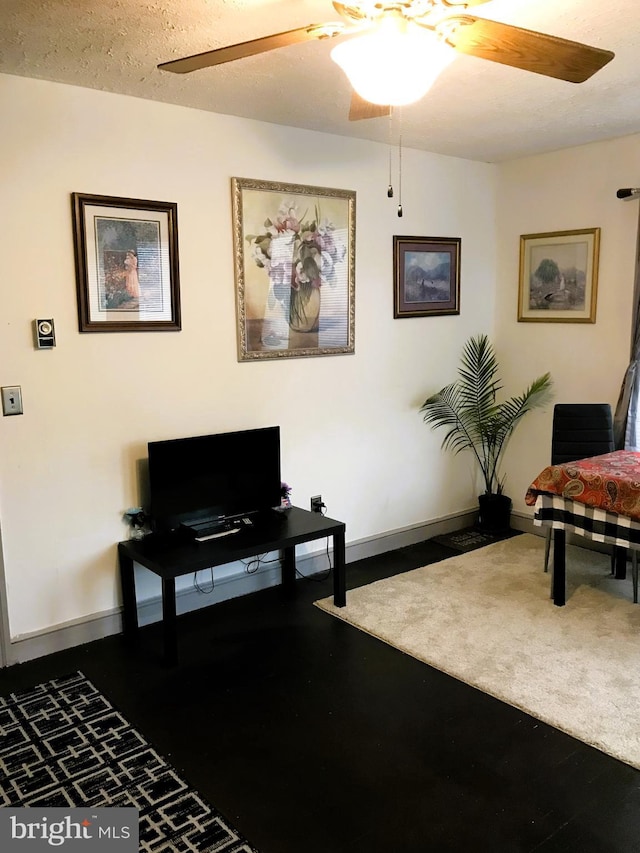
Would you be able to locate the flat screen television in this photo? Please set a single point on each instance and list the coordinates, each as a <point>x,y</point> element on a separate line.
<point>213,477</point>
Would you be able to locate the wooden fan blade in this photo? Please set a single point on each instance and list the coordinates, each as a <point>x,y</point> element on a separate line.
<point>251,48</point>
<point>527,49</point>
<point>361,109</point>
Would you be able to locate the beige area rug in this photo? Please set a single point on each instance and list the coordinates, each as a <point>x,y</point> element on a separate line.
<point>486,618</point>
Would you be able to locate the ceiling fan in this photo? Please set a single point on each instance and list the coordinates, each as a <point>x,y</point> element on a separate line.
<point>399,43</point>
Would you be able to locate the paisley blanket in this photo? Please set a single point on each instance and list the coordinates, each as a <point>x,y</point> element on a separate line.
<point>610,482</point>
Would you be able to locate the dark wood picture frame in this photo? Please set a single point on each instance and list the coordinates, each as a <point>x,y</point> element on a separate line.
<point>426,276</point>
<point>126,255</point>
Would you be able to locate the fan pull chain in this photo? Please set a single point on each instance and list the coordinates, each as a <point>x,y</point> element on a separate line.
<point>390,187</point>
<point>400,175</point>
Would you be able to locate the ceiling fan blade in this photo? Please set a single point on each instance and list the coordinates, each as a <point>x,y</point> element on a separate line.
<point>361,109</point>
<point>526,49</point>
<point>251,48</point>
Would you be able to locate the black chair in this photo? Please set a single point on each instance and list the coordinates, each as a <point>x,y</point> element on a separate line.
<point>579,430</point>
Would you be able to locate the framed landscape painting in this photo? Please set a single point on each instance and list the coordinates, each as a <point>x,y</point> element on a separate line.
<point>559,276</point>
<point>294,257</point>
<point>426,277</point>
<point>126,253</point>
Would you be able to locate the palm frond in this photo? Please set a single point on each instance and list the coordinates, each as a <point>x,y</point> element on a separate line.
<point>468,411</point>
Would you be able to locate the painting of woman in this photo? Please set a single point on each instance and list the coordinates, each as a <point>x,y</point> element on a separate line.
<point>131,274</point>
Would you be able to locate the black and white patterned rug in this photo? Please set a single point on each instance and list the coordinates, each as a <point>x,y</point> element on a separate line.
<point>63,744</point>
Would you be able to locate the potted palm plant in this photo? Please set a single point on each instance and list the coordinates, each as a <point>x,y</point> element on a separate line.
<point>473,420</point>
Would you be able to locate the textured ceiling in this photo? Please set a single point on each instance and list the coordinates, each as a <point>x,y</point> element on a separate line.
<point>477,109</point>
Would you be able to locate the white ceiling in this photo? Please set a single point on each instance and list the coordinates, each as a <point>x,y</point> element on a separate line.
<point>477,109</point>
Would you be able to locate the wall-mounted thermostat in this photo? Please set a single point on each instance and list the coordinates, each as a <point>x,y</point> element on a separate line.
<point>44,332</point>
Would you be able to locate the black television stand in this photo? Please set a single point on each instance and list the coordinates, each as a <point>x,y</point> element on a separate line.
<point>171,555</point>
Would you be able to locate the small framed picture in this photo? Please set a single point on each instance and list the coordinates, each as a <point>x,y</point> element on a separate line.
<point>559,276</point>
<point>126,253</point>
<point>426,276</point>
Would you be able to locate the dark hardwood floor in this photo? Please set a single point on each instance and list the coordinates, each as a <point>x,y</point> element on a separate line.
<point>313,737</point>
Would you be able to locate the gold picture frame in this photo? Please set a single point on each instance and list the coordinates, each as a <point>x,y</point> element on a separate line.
<point>559,276</point>
<point>294,259</point>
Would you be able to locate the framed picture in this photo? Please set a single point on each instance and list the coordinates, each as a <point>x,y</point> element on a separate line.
<point>126,253</point>
<point>294,253</point>
<point>559,276</point>
<point>426,276</point>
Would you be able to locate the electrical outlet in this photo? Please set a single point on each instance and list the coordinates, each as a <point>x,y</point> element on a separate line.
<point>316,503</point>
<point>11,400</point>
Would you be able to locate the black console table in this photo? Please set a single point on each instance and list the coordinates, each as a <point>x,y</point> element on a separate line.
<point>170,556</point>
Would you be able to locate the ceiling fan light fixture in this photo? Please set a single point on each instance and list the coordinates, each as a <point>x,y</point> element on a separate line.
<point>396,64</point>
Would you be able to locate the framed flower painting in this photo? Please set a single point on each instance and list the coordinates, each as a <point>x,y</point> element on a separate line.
<point>294,254</point>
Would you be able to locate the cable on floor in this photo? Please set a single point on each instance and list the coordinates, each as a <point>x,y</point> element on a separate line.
<point>317,576</point>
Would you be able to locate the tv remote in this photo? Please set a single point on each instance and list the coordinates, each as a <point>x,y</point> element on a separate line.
<point>216,535</point>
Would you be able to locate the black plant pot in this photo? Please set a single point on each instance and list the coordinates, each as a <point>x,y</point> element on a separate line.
<point>495,513</point>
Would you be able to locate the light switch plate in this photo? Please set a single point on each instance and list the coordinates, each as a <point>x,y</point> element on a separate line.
<point>11,400</point>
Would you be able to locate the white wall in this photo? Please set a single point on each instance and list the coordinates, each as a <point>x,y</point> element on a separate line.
<point>566,190</point>
<point>350,424</point>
